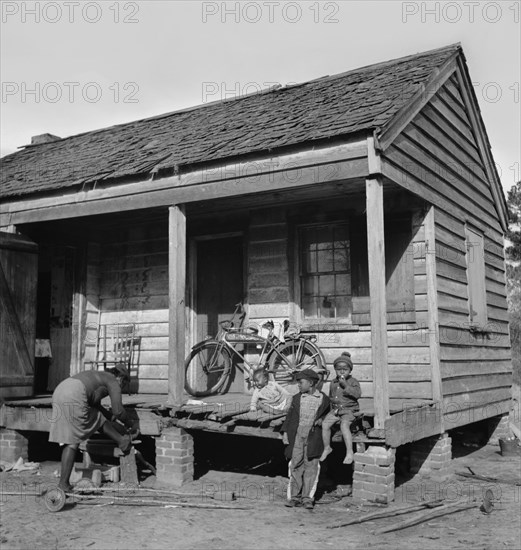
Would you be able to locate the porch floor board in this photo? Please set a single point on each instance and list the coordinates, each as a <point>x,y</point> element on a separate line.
<point>226,402</point>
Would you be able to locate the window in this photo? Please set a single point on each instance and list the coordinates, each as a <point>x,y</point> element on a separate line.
<point>476,278</point>
<point>325,271</point>
<point>334,275</point>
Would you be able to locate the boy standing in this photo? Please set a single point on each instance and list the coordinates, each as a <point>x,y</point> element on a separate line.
<point>344,393</point>
<point>303,435</point>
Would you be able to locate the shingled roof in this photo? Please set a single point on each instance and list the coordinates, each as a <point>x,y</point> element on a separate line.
<point>334,106</point>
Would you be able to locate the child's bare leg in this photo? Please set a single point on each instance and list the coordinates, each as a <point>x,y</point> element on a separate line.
<point>326,436</point>
<point>345,427</point>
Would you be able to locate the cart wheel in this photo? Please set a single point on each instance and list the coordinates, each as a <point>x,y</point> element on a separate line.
<point>55,499</point>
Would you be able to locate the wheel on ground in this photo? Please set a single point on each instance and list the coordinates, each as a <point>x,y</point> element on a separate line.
<point>292,357</point>
<point>208,367</point>
<point>55,499</point>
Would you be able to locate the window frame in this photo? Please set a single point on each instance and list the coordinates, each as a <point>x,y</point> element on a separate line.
<point>317,324</point>
<point>476,279</point>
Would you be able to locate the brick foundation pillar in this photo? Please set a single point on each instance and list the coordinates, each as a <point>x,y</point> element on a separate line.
<point>175,457</point>
<point>13,445</point>
<point>498,428</point>
<point>373,477</point>
<point>431,455</point>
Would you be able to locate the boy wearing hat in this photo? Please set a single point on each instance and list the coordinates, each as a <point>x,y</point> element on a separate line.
<point>344,393</point>
<point>303,436</point>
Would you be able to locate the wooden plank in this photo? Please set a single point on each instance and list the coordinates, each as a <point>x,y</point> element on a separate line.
<point>376,263</point>
<point>471,383</point>
<point>432,119</point>
<point>399,355</point>
<point>456,416</point>
<point>400,390</point>
<point>177,274</point>
<point>180,191</point>
<point>413,424</point>
<point>460,334</point>
<point>432,301</point>
<point>481,353</point>
<point>15,380</point>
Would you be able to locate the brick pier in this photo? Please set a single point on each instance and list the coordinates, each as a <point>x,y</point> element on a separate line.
<point>498,428</point>
<point>175,456</point>
<point>432,454</point>
<point>373,477</point>
<point>13,445</point>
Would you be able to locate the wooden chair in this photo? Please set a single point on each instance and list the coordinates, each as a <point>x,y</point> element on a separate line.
<point>115,344</point>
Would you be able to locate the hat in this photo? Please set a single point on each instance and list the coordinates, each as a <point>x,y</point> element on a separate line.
<point>344,358</point>
<point>308,374</point>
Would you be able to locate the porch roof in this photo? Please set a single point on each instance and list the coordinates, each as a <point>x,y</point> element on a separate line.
<point>335,106</point>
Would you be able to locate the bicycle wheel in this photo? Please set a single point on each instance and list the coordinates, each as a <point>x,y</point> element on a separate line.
<point>292,357</point>
<point>207,368</point>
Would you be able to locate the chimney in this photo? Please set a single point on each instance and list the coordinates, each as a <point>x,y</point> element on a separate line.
<point>44,138</point>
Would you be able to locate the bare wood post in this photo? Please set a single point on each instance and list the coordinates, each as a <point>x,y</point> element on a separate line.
<point>177,284</point>
<point>376,264</point>
<point>432,307</point>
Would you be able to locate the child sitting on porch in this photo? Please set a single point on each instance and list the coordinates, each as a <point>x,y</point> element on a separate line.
<point>344,393</point>
<point>268,396</point>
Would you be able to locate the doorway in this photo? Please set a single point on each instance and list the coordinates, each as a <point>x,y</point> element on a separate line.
<point>219,281</point>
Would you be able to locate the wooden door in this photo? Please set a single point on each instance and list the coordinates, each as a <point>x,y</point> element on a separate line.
<point>219,282</point>
<point>18,284</point>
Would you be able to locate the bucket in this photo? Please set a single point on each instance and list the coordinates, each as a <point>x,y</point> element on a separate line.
<point>509,447</point>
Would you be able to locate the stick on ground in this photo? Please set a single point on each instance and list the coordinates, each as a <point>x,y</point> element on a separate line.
<point>390,513</point>
<point>426,516</point>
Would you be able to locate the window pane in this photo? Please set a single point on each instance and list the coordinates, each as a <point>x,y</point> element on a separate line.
<point>343,284</point>
<point>326,285</point>
<point>342,258</point>
<point>343,306</point>
<point>309,307</point>
<point>327,308</point>
<point>325,261</point>
<point>309,262</point>
<point>310,286</point>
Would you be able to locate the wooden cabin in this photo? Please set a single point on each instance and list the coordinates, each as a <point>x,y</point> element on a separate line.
<point>364,207</point>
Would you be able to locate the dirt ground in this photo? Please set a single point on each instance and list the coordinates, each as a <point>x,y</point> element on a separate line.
<point>267,523</point>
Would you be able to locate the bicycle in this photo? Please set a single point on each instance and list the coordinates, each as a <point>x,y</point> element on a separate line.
<point>209,368</point>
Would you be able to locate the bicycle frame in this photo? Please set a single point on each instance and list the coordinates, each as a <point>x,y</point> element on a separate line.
<point>270,345</point>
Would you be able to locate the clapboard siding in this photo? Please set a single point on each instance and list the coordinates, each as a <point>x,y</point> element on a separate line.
<point>133,288</point>
<point>438,153</point>
<point>271,296</point>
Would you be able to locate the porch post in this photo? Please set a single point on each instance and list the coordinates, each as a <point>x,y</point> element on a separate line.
<point>176,303</point>
<point>376,264</point>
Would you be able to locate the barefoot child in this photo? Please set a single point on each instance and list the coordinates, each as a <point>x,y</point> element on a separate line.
<point>344,393</point>
<point>303,436</point>
<point>268,396</point>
